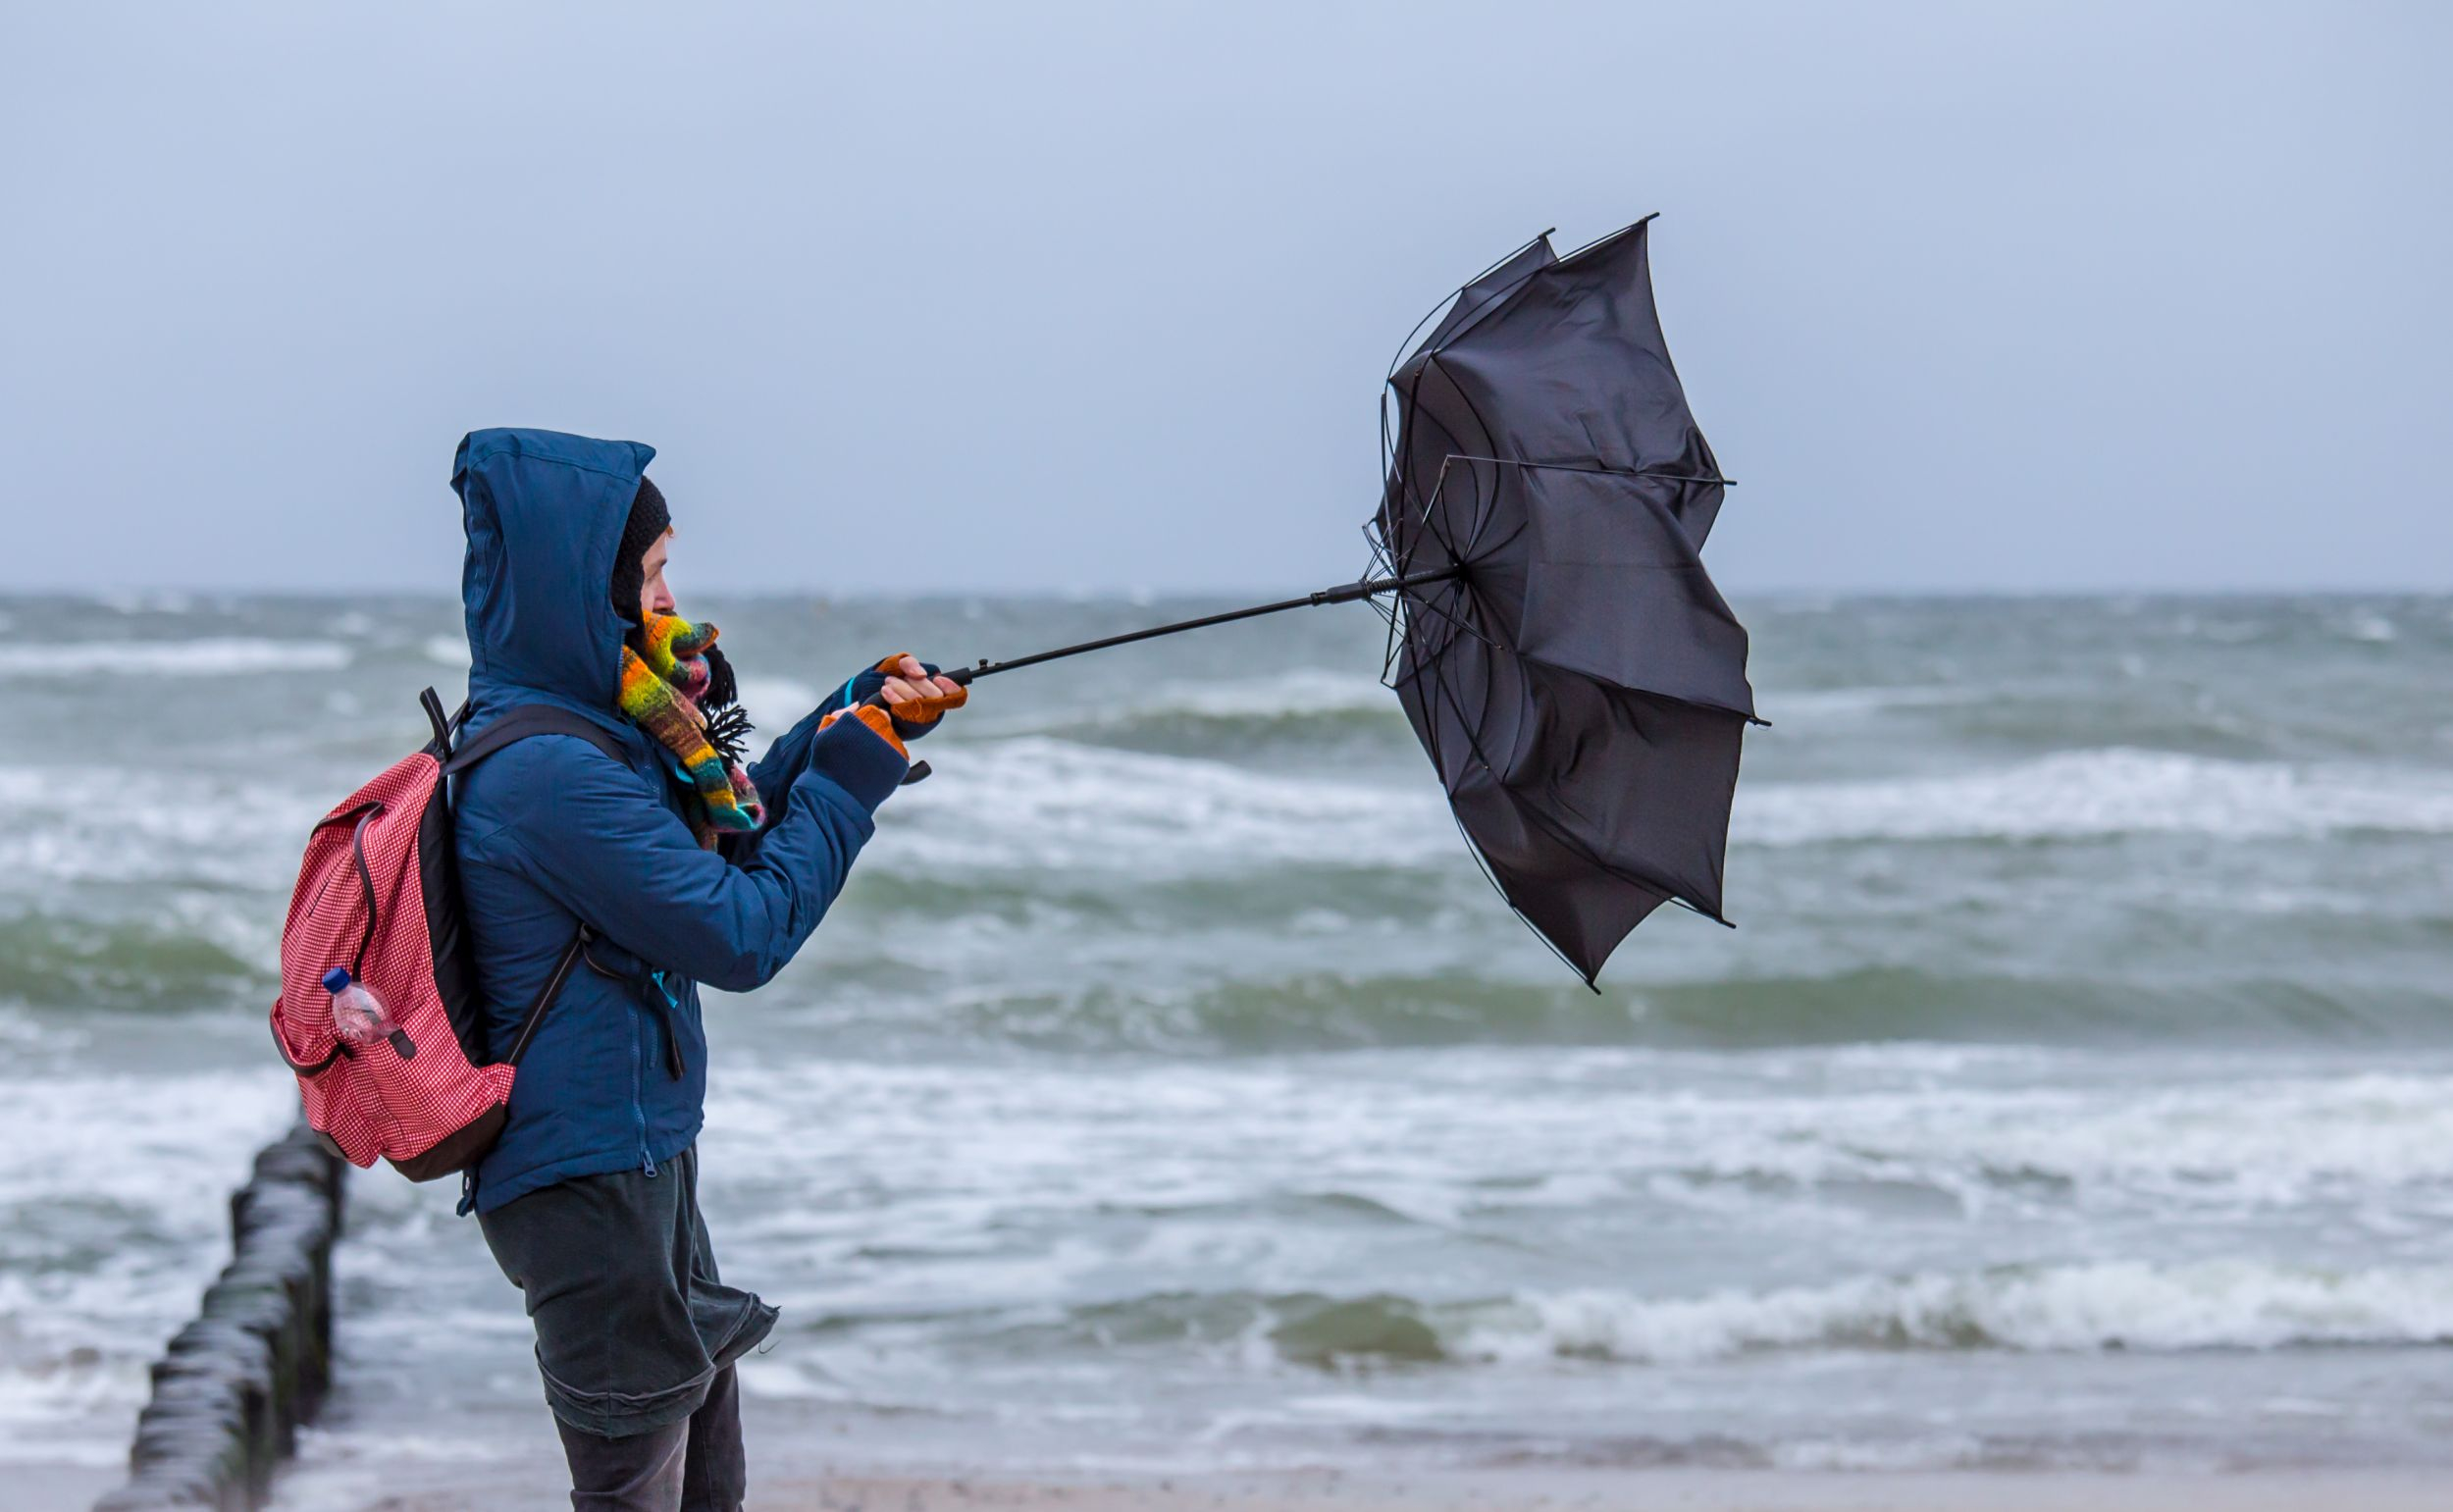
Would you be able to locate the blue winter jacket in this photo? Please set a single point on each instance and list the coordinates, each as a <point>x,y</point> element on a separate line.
<point>550,831</point>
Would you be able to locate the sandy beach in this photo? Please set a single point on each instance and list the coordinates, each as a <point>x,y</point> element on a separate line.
<point>1772,1492</point>
<point>1649,1491</point>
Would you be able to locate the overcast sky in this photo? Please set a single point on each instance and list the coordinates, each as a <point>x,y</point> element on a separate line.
<point>1065,296</point>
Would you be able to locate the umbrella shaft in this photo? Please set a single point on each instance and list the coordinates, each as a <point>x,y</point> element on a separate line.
<point>1343,595</point>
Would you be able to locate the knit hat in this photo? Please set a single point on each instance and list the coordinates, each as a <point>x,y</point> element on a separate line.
<point>648,519</point>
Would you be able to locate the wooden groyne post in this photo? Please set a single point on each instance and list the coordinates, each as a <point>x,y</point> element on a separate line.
<point>236,1382</point>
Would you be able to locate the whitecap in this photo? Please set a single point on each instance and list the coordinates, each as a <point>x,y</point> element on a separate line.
<point>2372,628</point>
<point>212,656</point>
<point>163,825</point>
<point>1925,1452</point>
<point>1863,701</point>
<point>1301,691</point>
<point>2227,1304</point>
<point>2099,793</point>
<point>1037,802</point>
<point>167,1156</point>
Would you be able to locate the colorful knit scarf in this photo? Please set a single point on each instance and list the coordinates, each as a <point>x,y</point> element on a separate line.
<point>660,691</point>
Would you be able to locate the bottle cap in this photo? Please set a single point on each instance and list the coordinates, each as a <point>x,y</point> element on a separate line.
<point>336,979</point>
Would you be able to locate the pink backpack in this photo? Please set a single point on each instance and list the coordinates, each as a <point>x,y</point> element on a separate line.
<point>377,894</point>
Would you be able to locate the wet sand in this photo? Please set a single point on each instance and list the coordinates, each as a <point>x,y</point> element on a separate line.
<point>489,1462</point>
<point>869,1491</point>
<point>1650,1491</point>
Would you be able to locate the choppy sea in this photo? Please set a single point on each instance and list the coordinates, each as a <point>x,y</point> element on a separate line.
<point>1168,1089</point>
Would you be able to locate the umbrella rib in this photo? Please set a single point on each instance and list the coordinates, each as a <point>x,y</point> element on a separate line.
<point>1604,239</point>
<point>1478,635</point>
<point>1430,513</point>
<point>1405,479</point>
<point>1458,293</point>
<point>1389,612</point>
<point>1488,434</point>
<point>1489,506</point>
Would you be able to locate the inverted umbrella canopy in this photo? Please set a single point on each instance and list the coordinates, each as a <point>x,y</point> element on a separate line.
<point>1579,683</point>
<point>1553,637</point>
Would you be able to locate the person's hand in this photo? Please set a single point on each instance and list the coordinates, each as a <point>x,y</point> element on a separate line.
<point>915,699</point>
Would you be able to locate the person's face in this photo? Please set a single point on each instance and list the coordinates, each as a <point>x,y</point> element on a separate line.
<point>653,597</point>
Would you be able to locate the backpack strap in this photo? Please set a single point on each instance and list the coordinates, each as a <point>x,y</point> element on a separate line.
<point>444,726</point>
<point>519,723</point>
<point>516,724</point>
<point>545,995</point>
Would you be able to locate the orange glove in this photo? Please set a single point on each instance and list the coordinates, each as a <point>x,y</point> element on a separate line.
<point>926,698</point>
<point>876,720</point>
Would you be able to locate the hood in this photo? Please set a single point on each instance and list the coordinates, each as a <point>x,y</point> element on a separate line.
<point>545,513</point>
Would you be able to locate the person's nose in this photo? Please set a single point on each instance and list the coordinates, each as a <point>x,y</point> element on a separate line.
<point>666,602</point>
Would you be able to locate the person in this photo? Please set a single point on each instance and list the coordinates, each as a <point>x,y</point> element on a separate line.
<point>687,869</point>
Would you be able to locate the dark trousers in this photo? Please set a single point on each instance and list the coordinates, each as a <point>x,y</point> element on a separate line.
<point>694,1465</point>
<point>636,1335</point>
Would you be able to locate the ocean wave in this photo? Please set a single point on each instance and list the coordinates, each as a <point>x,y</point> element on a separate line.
<point>160,826</point>
<point>2369,627</point>
<point>2128,1306</point>
<point>1035,801</point>
<point>1300,690</point>
<point>1795,706</point>
<point>1470,1144</point>
<point>113,1225</point>
<point>2384,1143</point>
<point>1363,959</point>
<point>2029,1309</point>
<point>1307,705</point>
<point>56,961</point>
<point>216,656</point>
<point>2100,794</point>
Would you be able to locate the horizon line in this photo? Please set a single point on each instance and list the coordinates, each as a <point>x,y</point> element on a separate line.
<point>1137,594</point>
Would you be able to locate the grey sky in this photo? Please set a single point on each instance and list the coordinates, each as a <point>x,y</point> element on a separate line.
<point>1093,296</point>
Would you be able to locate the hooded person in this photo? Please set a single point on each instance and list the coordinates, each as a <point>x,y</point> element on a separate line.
<point>687,868</point>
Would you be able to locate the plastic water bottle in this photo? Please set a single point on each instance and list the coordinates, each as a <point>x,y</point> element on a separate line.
<point>357,1014</point>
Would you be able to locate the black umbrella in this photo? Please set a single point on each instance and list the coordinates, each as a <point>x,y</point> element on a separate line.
<point>1553,637</point>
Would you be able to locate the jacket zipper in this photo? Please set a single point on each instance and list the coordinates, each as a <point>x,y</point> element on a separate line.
<point>671,1013</point>
<point>638,1092</point>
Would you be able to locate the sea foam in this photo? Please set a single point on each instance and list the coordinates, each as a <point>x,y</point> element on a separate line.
<point>2228,1304</point>
<point>1035,801</point>
<point>2098,794</point>
<point>219,656</point>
